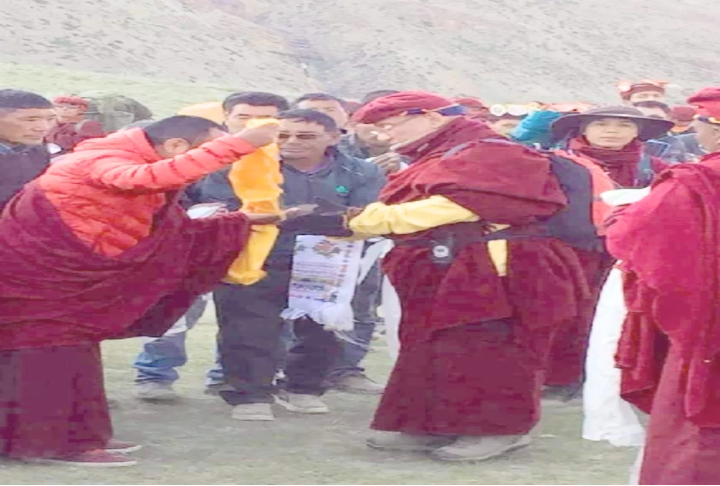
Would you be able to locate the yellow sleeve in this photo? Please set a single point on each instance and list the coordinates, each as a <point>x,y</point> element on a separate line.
<point>380,219</point>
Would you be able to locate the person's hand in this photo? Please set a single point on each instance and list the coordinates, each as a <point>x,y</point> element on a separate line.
<point>260,136</point>
<point>260,218</point>
<point>301,210</point>
<point>351,213</point>
<point>389,162</point>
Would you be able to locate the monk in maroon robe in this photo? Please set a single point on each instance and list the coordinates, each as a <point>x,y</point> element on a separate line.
<point>99,248</point>
<point>669,352</point>
<point>477,317</point>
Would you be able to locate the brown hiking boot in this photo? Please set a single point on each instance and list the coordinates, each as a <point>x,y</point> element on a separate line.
<point>480,448</point>
<point>395,441</point>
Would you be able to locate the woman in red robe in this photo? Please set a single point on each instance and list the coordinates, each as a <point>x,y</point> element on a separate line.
<point>612,138</point>
<point>669,352</point>
<point>477,317</point>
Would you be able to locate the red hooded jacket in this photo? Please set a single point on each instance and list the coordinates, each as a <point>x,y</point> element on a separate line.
<point>109,190</point>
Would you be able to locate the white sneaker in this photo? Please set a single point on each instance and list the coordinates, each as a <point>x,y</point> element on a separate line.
<point>253,412</point>
<point>155,392</point>
<point>480,448</point>
<point>299,403</point>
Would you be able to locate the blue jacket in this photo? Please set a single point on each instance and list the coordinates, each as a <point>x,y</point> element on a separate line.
<point>534,129</point>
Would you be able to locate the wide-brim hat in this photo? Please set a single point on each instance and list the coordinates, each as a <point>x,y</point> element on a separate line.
<point>649,128</point>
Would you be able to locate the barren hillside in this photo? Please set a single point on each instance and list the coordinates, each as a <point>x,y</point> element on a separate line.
<point>499,49</point>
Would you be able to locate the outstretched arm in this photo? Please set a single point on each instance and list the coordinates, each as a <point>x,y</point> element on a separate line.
<point>174,173</point>
<point>411,217</point>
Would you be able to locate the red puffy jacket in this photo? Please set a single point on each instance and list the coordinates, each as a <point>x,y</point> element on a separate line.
<point>109,189</point>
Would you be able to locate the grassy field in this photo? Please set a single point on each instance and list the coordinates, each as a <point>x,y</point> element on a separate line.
<point>194,441</point>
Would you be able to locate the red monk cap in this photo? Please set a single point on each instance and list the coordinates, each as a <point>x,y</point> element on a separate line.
<point>402,103</point>
<point>471,103</point>
<point>71,100</point>
<point>627,88</point>
<point>707,102</point>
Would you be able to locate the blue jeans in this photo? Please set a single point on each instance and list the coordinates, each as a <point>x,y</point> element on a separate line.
<point>159,357</point>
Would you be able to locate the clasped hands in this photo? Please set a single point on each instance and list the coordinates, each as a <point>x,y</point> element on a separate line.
<point>321,218</point>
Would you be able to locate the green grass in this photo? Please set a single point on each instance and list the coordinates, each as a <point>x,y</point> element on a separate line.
<point>195,442</point>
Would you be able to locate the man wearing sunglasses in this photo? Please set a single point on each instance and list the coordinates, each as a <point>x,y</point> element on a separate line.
<point>249,316</point>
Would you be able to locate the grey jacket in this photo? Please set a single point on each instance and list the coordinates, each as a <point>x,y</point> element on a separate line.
<point>342,180</point>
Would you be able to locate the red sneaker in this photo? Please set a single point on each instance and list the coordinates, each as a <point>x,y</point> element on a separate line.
<point>94,458</point>
<point>121,447</point>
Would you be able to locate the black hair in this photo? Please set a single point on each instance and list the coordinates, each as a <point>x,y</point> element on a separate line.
<point>319,97</point>
<point>189,128</point>
<point>14,99</point>
<point>373,95</point>
<point>138,124</point>
<point>653,104</point>
<point>310,116</point>
<point>255,98</point>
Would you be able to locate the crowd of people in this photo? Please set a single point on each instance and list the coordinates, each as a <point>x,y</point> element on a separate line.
<point>501,234</point>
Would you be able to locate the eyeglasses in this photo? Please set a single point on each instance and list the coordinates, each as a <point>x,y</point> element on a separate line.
<point>708,119</point>
<point>387,127</point>
<point>284,137</point>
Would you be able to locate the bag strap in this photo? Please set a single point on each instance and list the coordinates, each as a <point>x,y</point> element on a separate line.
<point>455,150</point>
<point>645,172</point>
<point>459,148</point>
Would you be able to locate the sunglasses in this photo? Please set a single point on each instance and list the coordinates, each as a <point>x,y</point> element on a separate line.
<point>284,137</point>
<point>708,119</point>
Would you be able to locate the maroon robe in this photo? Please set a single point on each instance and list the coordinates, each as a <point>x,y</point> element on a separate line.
<point>52,402</point>
<point>669,351</point>
<point>566,365</point>
<point>473,343</point>
<point>59,299</point>
<point>55,290</point>
<point>69,134</point>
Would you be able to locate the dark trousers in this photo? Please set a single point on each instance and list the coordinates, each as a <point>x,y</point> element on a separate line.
<point>250,346</point>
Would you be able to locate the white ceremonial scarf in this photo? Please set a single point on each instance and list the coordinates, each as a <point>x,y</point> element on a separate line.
<point>606,415</point>
<point>325,273</point>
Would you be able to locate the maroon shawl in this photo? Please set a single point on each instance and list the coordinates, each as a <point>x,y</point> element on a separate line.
<point>68,135</point>
<point>502,182</point>
<point>670,247</point>
<point>55,291</point>
<point>621,165</point>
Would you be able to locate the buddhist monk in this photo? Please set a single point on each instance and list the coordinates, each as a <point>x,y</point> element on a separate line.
<point>669,351</point>
<point>98,248</point>
<point>476,316</point>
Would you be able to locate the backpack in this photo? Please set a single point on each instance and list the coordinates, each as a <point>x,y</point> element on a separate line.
<point>581,223</point>
<point>115,111</point>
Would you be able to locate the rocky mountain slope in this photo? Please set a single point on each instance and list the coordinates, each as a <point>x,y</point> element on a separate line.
<point>502,50</point>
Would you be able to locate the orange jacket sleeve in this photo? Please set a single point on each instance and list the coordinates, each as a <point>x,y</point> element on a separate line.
<point>169,174</point>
